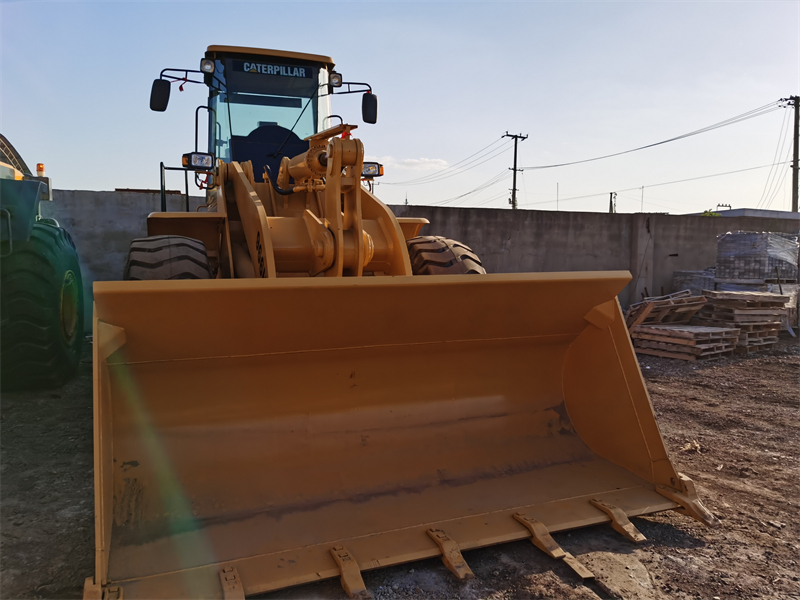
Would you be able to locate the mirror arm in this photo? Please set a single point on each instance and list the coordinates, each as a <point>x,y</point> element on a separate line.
<point>164,75</point>
<point>351,91</point>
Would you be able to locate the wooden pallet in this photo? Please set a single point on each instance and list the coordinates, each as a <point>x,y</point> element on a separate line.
<point>716,312</point>
<point>775,326</point>
<point>684,355</point>
<point>745,350</point>
<point>756,314</point>
<point>712,295</point>
<point>684,342</point>
<point>676,308</point>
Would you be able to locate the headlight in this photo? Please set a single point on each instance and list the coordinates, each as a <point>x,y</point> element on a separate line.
<point>336,79</point>
<point>207,65</point>
<point>372,169</point>
<point>198,161</point>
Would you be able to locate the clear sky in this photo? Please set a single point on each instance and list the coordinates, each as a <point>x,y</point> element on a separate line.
<point>581,79</point>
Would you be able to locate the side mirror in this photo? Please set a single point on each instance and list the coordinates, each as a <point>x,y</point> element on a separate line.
<point>369,108</point>
<point>159,95</point>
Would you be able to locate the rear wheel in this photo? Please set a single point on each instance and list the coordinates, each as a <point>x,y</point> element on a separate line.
<point>164,257</point>
<point>437,255</point>
<point>41,310</point>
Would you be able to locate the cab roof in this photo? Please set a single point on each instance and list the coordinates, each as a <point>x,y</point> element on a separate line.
<point>276,53</point>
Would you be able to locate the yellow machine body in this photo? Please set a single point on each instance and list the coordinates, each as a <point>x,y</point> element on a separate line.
<point>292,420</point>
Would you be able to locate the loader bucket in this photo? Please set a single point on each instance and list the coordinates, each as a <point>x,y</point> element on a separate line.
<point>256,434</point>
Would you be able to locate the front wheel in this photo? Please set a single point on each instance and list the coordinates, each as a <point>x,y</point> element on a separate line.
<point>41,310</point>
<point>437,255</point>
<point>164,257</point>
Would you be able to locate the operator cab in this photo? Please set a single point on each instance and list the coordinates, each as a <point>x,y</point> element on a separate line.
<point>264,103</point>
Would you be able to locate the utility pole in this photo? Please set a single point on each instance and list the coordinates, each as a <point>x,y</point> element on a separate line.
<point>513,200</point>
<point>796,102</point>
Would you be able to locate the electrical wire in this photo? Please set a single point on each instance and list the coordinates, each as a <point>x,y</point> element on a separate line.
<point>780,179</point>
<point>778,148</point>
<point>656,184</point>
<point>446,169</point>
<point>492,199</point>
<point>756,112</point>
<point>486,184</point>
<point>486,157</point>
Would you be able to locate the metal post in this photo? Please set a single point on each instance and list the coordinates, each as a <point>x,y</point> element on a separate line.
<point>796,101</point>
<point>186,182</point>
<point>518,137</point>
<point>163,190</point>
<point>642,208</point>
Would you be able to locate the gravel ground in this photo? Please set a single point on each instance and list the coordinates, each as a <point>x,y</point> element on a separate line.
<point>732,425</point>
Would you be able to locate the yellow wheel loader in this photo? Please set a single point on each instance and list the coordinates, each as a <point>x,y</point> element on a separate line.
<point>291,384</point>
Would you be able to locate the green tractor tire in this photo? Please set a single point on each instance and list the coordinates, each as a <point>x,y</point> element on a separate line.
<point>41,310</point>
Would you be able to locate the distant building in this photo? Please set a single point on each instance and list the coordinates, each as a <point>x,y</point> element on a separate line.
<point>756,212</point>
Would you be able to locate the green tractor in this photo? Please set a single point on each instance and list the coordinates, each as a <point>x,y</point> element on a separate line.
<point>41,292</point>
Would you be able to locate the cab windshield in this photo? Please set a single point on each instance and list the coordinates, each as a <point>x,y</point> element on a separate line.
<point>263,108</point>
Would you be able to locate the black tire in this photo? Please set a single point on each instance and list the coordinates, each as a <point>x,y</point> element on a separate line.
<point>164,257</point>
<point>41,311</point>
<point>437,255</point>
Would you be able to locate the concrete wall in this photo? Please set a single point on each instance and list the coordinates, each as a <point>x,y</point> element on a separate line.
<point>103,225</point>
<point>650,246</point>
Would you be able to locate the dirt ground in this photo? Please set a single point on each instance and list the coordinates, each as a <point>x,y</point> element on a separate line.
<point>732,425</point>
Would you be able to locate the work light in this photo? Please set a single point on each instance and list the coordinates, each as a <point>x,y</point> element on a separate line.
<point>207,65</point>
<point>372,169</point>
<point>198,161</point>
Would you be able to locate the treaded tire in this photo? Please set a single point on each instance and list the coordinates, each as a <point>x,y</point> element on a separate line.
<point>41,311</point>
<point>164,257</point>
<point>437,255</point>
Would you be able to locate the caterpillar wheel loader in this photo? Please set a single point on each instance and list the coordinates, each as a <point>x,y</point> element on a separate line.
<point>291,384</point>
<point>41,293</point>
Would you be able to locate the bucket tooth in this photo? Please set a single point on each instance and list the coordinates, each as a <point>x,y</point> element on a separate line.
<point>542,539</point>
<point>689,501</point>
<point>351,579</point>
<point>451,554</point>
<point>619,520</point>
<point>232,588</point>
<point>577,566</point>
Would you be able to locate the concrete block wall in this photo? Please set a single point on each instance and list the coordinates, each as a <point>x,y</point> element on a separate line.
<point>102,224</point>
<point>650,246</point>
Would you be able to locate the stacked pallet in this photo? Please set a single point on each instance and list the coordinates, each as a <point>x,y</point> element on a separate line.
<point>677,308</point>
<point>684,342</point>
<point>757,315</point>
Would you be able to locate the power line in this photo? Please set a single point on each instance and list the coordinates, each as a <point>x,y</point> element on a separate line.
<point>756,112</point>
<point>502,175</point>
<point>782,136</point>
<point>446,168</point>
<point>779,180</point>
<point>443,173</point>
<point>486,158</point>
<point>657,184</point>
